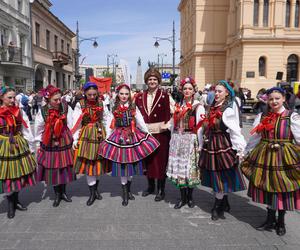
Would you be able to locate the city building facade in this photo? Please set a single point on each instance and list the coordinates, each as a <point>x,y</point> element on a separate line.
<point>53,50</point>
<point>255,43</point>
<point>15,44</point>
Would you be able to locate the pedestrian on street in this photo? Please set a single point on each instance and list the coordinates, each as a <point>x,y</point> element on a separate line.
<point>183,169</point>
<point>273,163</point>
<point>156,106</point>
<point>55,154</point>
<point>17,162</point>
<point>90,123</point>
<point>223,144</point>
<point>129,143</point>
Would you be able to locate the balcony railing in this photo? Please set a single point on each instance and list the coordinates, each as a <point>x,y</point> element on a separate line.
<point>61,58</point>
<point>10,54</point>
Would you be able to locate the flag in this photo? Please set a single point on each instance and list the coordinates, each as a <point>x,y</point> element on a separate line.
<point>102,83</point>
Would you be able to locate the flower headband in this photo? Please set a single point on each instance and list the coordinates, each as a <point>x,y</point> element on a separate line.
<point>187,80</point>
<point>121,86</point>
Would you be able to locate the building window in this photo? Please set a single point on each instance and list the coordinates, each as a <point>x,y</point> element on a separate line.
<point>55,43</point>
<point>266,13</point>
<point>62,45</point>
<point>297,14</point>
<point>37,34</point>
<point>20,6</point>
<point>47,39</point>
<point>68,48</point>
<point>255,12</point>
<point>49,76</point>
<point>292,68</point>
<point>287,13</point>
<point>262,66</point>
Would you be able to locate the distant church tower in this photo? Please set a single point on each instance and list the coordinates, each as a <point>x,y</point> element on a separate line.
<point>139,75</point>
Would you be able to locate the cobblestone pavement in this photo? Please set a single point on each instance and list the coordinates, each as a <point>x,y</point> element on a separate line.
<point>143,224</point>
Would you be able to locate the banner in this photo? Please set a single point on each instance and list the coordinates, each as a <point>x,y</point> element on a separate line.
<point>102,83</point>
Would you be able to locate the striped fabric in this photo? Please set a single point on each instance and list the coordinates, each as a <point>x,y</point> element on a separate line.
<point>55,161</point>
<point>17,164</point>
<point>273,167</point>
<point>218,161</point>
<point>129,169</point>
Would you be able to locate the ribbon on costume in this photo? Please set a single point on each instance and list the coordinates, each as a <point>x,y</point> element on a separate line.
<point>215,113</point>
<point>11,114</point>
<point>267,123</point>
<point>179,113</point>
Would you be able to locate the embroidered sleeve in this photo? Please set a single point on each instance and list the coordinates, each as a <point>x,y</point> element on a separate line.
<point>76,114</point>
<point>254,138</point>
<point>27,133</point>
<point>295,127</point>
<point>200,111</point>
<point>140,121</point>
<point>39,126</point>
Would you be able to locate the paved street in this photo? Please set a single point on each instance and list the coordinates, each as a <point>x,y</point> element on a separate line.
<point>144,224</point>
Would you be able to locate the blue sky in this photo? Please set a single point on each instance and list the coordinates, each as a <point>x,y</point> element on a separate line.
<point>124,27</point>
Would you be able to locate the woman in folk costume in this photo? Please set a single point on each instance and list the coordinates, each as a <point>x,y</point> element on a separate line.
<point>17,163</point>
<point>55,155</point>
<point>129,143</point>
<point>223,144</point>
<point>183,169</point>
<point>273,164</point>
<point>89,121</point>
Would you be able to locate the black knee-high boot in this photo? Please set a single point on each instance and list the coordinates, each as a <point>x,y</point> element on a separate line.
<point>280,226</point>
<point>150,189</point>
<point>92,197</point>
<point>226,205</point>
<point>182,200</point>
<point>17,204</point>
<point>217,210</point>
<point>130,195</point>
<point>190,200</point>
<point>270,222</point>
<point>63,193</point>
<point>10,206</point>
<point>98,195</point>
<point>57,199</point>
<point>160,195</point>
<point>124,195</point>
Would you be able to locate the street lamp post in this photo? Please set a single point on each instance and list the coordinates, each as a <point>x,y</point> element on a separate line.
<point>113,57</point>
<point>171,39</point>
<point>77,53</point>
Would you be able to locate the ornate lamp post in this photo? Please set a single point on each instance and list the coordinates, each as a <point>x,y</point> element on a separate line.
<point>79,40</point>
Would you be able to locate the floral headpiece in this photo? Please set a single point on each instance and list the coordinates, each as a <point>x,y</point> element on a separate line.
<point>49,91</point>
<point>187,80</point>
<point>122,86</point>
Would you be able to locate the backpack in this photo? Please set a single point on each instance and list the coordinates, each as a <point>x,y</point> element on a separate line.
<point>24,100</point>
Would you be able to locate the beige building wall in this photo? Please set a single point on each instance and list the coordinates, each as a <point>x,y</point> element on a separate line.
<point>229,43</point>
<point>52,53</point>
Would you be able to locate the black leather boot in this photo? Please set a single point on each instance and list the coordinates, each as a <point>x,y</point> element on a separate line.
<point>57,199</point>
<point>182,200</point>
<point>226,205</point>
<point>92,197</point>
<point>10,206</point>
<point>190,200</point>
<point>63,193</point>
<point>17,204</point>
<point>130,195</point>
<point>124,195</point>
<point>160,190</point>
<point>217,210</point>
<point>270,222</point>
<point>98,195</point>
<point>280,226</point>
<point>150,189</point>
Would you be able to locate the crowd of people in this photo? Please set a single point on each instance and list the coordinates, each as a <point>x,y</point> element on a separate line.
<point>189,141</point>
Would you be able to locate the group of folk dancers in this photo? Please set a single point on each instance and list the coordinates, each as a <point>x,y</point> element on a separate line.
<point>151,135</point>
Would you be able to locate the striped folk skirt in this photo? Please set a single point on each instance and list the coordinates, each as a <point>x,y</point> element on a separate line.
<point>86,159</point>
<point>183,169</point>
<point>127,150</point>
<point>274,175</point>
<point>219,165</point>
<point>17,164</point>
<point>55,162</point>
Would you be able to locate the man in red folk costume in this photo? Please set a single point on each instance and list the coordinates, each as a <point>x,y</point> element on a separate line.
<point>155,106</point>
